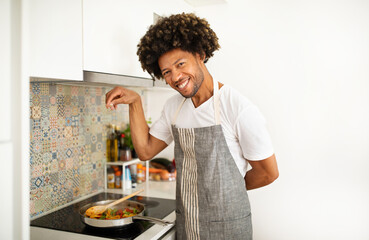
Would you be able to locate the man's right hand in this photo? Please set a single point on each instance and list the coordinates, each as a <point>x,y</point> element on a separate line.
<point>146,146</point>
<point>119,95</point>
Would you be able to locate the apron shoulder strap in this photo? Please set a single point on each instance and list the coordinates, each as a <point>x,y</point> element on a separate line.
<point>216,102</point>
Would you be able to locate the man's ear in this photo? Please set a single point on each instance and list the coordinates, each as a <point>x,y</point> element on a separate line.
<point>201,57</point>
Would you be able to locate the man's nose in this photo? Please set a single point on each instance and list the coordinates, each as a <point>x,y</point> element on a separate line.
<point>176,76</point>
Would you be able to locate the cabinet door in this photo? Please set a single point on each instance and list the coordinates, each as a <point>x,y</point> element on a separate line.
<point>112,30</point>
<point>56,39</point>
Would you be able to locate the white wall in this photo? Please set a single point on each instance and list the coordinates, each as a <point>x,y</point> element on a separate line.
<point>305,64</point>
<point>156,101</point>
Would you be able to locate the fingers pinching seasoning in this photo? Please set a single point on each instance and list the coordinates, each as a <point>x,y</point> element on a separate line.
<point>111,106</point>
<point>120,95</point>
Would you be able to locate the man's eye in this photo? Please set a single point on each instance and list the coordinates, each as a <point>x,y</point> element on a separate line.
<point>181,64</point>
<point>165,73</point>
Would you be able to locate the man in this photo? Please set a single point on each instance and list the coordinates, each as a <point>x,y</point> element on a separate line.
<point>216,131</point>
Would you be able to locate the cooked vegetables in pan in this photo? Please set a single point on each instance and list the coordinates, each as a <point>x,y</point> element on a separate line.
<point>115,214</point>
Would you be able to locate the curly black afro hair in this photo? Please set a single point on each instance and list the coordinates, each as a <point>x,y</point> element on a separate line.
<point>185,31</point>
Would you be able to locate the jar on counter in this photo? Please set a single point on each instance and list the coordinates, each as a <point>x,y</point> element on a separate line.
<point>111,178</point>
<point>125,153</point>
<point>118,179</point>
<point>141,175</point>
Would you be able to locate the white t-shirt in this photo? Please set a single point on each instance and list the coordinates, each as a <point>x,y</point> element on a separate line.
<point>243,125</point>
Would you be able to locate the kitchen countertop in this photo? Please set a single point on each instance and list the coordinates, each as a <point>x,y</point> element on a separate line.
<point>157,189</point>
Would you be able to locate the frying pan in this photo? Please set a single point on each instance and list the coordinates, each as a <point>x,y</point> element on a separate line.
<point>102,223</point>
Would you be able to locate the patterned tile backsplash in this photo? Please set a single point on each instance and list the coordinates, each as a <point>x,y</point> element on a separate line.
<point>68,142</point>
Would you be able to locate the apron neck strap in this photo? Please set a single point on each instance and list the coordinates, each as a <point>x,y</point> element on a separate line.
<point>216,104</point>
<point>216,101</point>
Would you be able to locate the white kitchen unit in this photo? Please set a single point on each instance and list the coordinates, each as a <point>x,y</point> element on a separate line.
<point>112,30</point>
<point>5,71</point>
<point>56,39</point>
<point>171,235</point>
<point>7,176</point>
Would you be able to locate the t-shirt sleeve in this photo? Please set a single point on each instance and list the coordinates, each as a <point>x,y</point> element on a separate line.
<point>253,135</point>
<point>161,129</point>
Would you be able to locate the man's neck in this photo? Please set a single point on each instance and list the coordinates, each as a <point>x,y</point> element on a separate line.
<point>205,91</point>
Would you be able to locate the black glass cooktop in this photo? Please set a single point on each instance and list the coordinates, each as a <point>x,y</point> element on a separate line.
<point>68,219</point>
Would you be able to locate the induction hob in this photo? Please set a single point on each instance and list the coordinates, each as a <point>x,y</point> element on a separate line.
<point>68,219</point>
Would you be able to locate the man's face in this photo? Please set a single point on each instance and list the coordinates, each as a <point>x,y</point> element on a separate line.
<point>182,71</point>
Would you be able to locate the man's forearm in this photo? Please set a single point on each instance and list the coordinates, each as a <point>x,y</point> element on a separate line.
<point>139,128</point>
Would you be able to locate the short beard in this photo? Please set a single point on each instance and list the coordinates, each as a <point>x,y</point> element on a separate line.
<point>197,85</point>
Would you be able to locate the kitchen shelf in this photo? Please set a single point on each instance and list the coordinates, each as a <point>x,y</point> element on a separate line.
<point>124,164</point>
<point>157,189</point>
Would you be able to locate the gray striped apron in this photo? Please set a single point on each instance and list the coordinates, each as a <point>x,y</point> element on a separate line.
<point>212,201</point>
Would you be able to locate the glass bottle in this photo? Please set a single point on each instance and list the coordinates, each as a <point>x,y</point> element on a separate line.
<point>133,169</point>
<point>128,180</point>
<point>117,134</point>
<point>111,178</point>
<point>113,145</point>
<point>118,179</point>
<point>125,153</point>
<point>108,144</point>
<point>140,174</point>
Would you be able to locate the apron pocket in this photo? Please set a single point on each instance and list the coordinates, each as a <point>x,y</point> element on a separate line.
<point>235,229</point>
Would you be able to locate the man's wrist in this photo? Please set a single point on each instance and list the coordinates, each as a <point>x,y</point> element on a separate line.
<point>136,103</point>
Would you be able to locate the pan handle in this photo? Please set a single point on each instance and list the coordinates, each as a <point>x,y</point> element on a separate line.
<point>154,220</point>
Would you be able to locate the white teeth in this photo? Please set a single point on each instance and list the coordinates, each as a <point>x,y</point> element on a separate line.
<point>182,85</point>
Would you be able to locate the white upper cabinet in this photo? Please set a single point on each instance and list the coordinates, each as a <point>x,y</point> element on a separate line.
<point>112,30</point>
<point>69,36</point>
<point>56,39</point>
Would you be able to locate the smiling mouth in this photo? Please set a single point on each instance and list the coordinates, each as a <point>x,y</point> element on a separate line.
<point>183,84</point>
